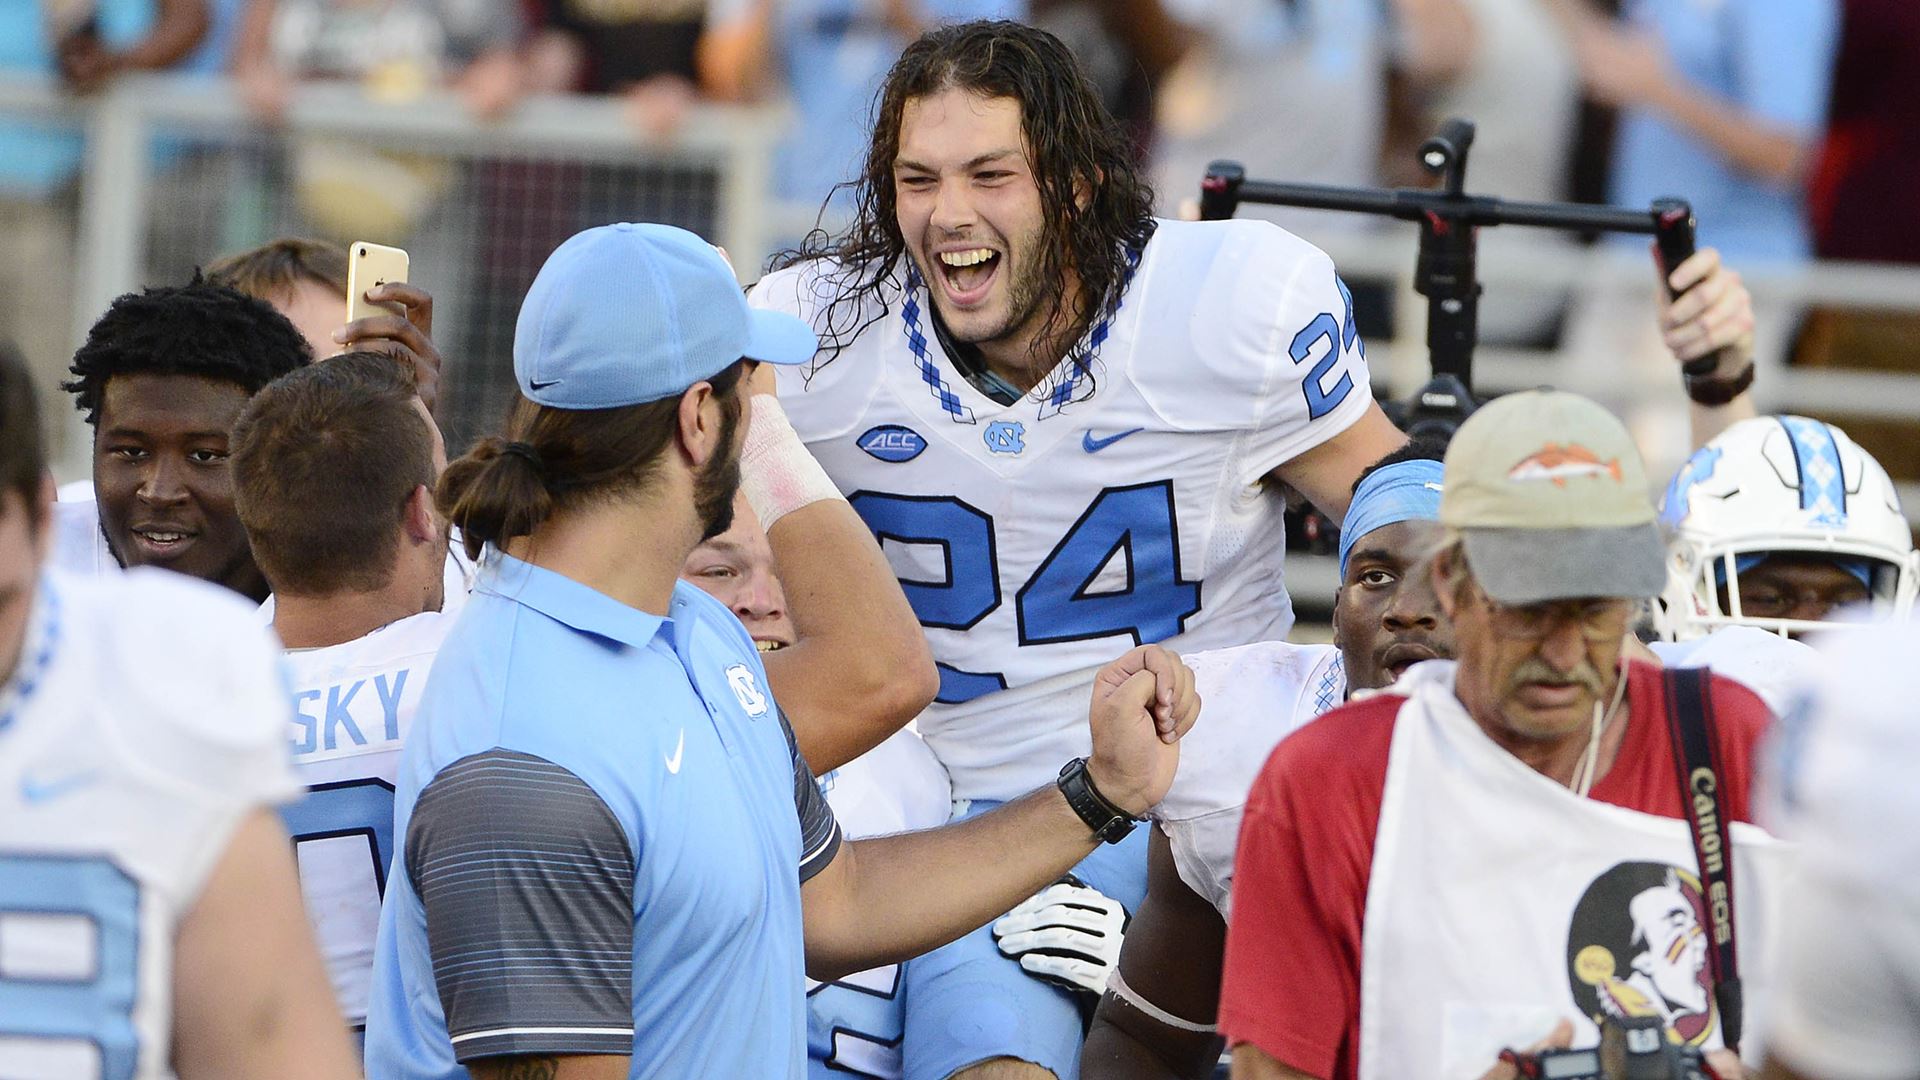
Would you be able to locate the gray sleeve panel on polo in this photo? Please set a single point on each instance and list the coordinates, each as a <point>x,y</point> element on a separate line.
<point>819,829</point>
<point>527,880</point>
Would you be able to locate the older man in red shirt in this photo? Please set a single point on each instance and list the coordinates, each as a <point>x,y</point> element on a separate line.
<point>1487,852</point>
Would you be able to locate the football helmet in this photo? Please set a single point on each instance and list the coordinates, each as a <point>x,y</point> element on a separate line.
<point>1778,484</point>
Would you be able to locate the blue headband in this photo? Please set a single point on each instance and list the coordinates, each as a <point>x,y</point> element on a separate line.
<point>1403,491</point>
<point>1859,568</point>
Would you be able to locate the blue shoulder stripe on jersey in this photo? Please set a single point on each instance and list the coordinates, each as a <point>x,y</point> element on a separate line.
<point>36,658</point>
<point>1816,455</point>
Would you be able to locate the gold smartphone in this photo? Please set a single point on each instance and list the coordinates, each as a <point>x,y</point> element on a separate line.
<point>368,266</point>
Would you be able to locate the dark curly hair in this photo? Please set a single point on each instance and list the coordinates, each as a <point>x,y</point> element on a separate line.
<point>1071,141</point>
<point>200,329</point>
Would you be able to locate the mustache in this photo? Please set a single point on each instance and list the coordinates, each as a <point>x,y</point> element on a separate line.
<point>1535,670</point>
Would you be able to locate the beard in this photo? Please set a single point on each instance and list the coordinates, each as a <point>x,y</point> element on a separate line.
<point>1027,291</point>
<point>718,481</point>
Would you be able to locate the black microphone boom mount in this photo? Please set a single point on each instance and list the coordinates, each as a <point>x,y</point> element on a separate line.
<point>1448,218</point>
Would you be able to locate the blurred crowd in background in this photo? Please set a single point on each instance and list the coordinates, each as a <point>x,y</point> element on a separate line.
<point>1788,123</point>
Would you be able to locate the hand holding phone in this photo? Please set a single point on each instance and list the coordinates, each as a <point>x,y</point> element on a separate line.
<point>370,265</point>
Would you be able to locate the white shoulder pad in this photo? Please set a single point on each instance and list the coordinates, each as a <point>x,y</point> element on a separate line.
<point>1263,337</point>
<point>1774,667</point>
<point>825,398</point>
<point>78,547</point>
<point>1251,697</point>
<point>197,684</point>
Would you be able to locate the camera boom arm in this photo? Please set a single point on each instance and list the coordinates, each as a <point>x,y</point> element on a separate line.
<point>1448,217</point>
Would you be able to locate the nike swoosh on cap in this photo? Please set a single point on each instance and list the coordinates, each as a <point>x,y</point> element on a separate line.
<point>1093,446</point>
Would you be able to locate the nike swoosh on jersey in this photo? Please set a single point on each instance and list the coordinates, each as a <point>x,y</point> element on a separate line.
<point>538,385</point>
<point>1093,446</point>
<point>35,790</point>
<point>673,762</point>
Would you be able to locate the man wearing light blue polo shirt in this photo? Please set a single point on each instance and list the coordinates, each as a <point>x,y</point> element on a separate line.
<point>604,828</point>
<point>1723,102</point>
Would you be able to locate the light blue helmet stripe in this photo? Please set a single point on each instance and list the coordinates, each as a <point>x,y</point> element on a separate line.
<point>1823,487</point>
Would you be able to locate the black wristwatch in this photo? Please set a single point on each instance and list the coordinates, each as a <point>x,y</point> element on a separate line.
<point>1108,822</point>
<point>1714,391</point>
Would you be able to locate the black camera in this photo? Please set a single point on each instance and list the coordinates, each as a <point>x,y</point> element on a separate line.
<point>1635,1048</point>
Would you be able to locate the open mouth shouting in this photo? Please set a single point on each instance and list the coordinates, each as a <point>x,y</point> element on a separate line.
<point>767,645</point>
<point>1400,656</point>
<point>966,274</point>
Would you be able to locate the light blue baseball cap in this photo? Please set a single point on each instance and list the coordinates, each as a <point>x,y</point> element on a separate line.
<point>630,313</point>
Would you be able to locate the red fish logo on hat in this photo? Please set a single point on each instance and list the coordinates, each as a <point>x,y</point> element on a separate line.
<point>1558,463</point>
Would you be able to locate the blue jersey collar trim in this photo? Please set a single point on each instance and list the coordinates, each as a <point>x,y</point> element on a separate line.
<point>567,601</point>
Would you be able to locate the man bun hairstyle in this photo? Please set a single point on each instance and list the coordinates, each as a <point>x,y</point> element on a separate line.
<point>23,451</point>
<point>200,329</point>
<point>548,458</point>
<point>324,461</point>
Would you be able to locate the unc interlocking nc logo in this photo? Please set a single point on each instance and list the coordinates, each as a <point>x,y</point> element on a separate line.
<point>1006,436</point>
<point>747,689</point>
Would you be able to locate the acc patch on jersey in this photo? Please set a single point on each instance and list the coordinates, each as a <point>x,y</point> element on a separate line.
<point>892,442</point>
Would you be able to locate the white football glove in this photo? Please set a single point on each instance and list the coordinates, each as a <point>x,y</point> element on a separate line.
<point>1067,933</point>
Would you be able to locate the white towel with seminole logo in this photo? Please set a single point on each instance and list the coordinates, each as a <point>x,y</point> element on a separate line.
<point>1501,902</point>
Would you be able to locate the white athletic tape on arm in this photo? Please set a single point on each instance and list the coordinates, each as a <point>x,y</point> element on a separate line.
<point>1118,987</point>
<point>777,475</point>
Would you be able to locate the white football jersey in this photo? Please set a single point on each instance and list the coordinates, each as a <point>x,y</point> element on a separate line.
<point>1840,780</point>
<point>855,1023</point>
<point>79,547</point>
<point>1039,540</point>
<point>1252,696</point>
<point>352,706</point>
<point>146,720</point>
<point>1772,666</point>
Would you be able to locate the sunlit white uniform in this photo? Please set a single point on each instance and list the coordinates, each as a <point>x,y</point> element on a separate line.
<point>1772,666</point>
<point>352,706</point>
<point>79,547</point>
<point>1842,783</point>
<point>855,1024</point>
<point>1252,697</point>
<point>1039,540</point>
<point>146,719</point>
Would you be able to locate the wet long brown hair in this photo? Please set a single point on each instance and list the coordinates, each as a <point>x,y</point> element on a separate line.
<point>1071,142</point>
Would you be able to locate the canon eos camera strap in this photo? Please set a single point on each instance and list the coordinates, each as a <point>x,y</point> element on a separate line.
<point>1690,723</point>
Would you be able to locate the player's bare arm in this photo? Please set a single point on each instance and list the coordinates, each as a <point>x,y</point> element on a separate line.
<point>1326,473</point>
<point>891,898</point>
<point>859,668</point>
<point>1712,316</point>
<point>251,997</point>
<point>551,1067</point>
<point>1171,959</point>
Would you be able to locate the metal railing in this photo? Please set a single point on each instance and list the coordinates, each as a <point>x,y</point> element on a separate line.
<point>125,126</point>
